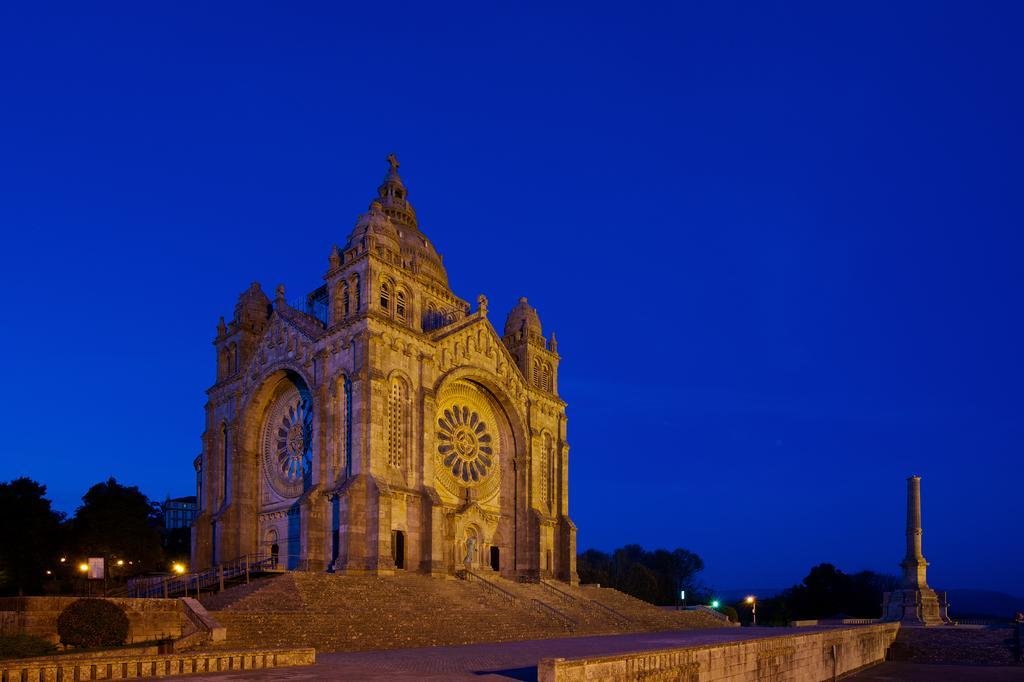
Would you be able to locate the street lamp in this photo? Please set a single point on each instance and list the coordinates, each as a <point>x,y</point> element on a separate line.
<point>715,603</point>
<point>753,607</point>
<point>179,568</point>
<point>83,567</point>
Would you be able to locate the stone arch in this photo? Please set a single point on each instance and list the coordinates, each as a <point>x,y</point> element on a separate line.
<point>249,477</point>
<point>511,409</point>
<point>508,527</point>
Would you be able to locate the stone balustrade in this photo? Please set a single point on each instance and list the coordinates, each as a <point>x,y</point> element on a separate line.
<point>123,665</point>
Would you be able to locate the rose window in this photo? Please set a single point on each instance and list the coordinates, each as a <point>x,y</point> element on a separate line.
<point>464,443</point>
<point>287,442</point>
<point>467,442</point>
<point>292,440</point>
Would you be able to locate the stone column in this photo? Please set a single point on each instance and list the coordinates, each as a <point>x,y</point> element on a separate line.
<point>915,603</point>
<point>914,565</point>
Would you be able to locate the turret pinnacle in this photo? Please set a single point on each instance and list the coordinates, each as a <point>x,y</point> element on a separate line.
<point>394,197</point>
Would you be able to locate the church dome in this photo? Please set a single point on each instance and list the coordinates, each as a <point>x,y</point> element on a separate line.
<point>375,223</point>
<point>523,316</point>
<point>416,249</point>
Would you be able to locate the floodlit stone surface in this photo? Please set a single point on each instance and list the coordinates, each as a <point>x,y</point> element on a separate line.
<point>124,665</point>
<point>362,613</point>
<point>915,603</point>
<point>381,423</point>
<point>805,657</point>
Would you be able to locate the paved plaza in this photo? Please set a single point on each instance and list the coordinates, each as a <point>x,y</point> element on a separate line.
<point>500,661</point>
<point>917,672</point>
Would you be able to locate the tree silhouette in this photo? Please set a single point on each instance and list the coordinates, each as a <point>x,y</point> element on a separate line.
<point>31,540</point>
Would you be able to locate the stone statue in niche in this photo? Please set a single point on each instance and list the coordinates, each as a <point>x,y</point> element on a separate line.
<point>470,551</point>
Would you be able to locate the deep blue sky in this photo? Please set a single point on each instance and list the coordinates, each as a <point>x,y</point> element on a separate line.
<point>780,244</point>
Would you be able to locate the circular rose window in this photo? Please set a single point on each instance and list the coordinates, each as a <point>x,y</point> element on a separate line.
<point>464,443</point>
<point>467,438</point>
<point>287,442</point>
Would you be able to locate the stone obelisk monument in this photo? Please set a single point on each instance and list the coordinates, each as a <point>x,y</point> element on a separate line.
<point>915,603</point>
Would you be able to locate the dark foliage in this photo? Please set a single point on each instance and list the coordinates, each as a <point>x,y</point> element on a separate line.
<point>826,592</point>
<point>92,623</point>
<point>118,521</point>
<point>32,539</point>
<point>655,576</point>
<point>24,646</point>
<point>729,611</point>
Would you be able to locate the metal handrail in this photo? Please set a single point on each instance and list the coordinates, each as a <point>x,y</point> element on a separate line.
<point>173,586</point>
<point>623,618</point>
<point>470,576</point>
<point>567,622</point>
<point>615,614</point>
<point>565,596</point>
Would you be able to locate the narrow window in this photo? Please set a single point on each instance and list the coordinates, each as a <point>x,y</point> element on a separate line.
<point>345,304</point>
<point>357,294</point>
<point>385,296</point>
<point>226,476</point>
<point>546,471</point>
<point>396,424</point>
<point>535,378</point>
<point>400,304</point>
<point>546,377</point>
<point>549,463</point>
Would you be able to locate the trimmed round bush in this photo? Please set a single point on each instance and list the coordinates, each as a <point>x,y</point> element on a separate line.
<point>92,623</point>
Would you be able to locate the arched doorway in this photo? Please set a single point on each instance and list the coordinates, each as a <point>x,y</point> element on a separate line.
<point>270,546</point>
<point>282,428</point>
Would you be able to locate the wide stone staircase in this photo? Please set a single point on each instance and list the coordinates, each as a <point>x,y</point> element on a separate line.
<point>357,613</point>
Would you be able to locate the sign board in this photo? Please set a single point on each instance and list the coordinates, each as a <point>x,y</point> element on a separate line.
<point>96,568</point>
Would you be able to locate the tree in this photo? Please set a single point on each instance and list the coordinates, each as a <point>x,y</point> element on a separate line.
<point>827,592</point>
<point>654,576</point>
<point>119,522</point>
<point>31,541</point>
<point>594,566</point>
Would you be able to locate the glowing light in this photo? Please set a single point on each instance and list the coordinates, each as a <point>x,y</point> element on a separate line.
<point>120,562</point>
<point>63,559</point>
<point>750,599</point>
<point>84,568</point>
<point>715,604</point>
<point>178,568</point>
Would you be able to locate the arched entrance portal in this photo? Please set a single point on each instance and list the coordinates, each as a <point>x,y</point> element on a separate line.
<point>285,446</point>
<point>476,438</point>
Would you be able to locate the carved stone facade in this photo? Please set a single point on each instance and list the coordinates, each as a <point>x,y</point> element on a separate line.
<point>381,424</point>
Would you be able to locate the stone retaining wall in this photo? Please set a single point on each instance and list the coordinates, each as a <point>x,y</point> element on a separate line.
<point>148,619</point>
<point>111,666</point>
<point>805,657</point>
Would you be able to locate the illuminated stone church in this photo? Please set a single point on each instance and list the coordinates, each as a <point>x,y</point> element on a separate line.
<point>381,423</point>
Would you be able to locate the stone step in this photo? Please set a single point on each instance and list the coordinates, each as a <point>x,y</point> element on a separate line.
<point>356,613</point>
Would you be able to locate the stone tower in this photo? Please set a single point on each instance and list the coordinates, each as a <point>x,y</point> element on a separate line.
<point>915,603</point>
<point>379,423</point>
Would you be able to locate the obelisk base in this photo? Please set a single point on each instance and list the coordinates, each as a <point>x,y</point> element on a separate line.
<point>916,607</point>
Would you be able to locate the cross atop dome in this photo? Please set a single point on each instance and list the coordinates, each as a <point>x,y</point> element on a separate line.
<point>394,197</point>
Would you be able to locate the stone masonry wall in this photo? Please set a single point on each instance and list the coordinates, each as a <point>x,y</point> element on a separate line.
<point>805,657</point>
<point>148,619</point>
